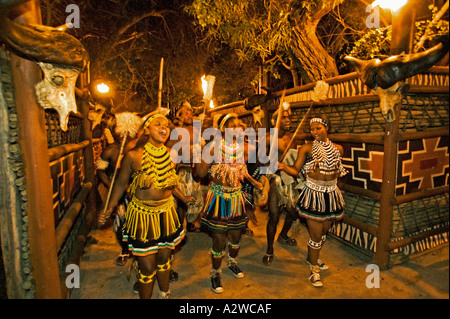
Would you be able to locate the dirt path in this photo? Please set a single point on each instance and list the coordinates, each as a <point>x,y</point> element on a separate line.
<point>424,277</point>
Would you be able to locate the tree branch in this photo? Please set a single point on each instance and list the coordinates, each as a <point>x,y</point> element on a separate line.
<point>427,30</point>
<point>131,22</point>
<point>114,40</point>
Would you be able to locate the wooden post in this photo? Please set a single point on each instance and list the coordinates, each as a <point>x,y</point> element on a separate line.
<point>402,35</point>
<point>387,192</point>
<point>33,145</point>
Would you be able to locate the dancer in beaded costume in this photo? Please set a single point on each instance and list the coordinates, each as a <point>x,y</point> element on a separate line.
<point>152,227</point>
<point>320,201</point>
<point>224,212</point>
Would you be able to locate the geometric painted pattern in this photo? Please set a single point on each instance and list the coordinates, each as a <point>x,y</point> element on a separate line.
<point>372,165</point>
<point>423,245</point>
<point>67,174</point>
<point>423,164</point>
<point>427,164</point>
<point>364,161</point>
<point>355,236</point>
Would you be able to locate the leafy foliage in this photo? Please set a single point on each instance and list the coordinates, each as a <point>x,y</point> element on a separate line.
<point>376,42</point>
<point>271,31</point>
<point>252,28</point>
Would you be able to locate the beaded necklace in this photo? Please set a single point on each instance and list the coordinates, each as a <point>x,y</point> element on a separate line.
<point>157,168</point>
<point>327,156</point>
<point>232,169</point>
<point>232,153</point>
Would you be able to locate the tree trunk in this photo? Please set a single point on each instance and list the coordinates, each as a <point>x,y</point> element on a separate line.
<point>294,68</point>
<point>315,62</point>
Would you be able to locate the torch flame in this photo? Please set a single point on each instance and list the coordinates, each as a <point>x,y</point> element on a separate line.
<point>394,5</point>
<point>207,86</point>
<point>211,104</point>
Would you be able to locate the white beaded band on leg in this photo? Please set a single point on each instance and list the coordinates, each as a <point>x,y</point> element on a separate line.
<point>314,245</point>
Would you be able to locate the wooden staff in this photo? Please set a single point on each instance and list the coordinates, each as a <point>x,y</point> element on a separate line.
<point>296,132</point>
<point>115,173</point>
<point>317,95</point>
<point>277,125</point>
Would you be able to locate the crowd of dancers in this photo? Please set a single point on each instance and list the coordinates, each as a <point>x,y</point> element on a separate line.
<point>155,197</point>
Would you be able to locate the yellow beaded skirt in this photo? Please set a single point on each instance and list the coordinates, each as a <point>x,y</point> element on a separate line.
<point>152,225</point>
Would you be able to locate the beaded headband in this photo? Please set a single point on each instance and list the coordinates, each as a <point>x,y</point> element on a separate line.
<point>319,120</point>
<point>225,119</point>
<point>151,118</point>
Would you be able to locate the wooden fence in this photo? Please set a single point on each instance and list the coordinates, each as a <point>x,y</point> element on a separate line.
<point>46,197</point>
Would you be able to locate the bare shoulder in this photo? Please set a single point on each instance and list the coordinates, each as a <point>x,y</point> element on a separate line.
<point>110,153</point>
<point>135,153</point>
<point>134,158</point>
<point>307,147</point>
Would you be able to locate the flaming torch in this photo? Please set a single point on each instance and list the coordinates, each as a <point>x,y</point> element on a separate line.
<point>207,87</point>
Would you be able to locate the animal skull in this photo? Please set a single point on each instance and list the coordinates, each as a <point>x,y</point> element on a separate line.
<point>386,78</point>
<point>258,115</point>
<point>389,98</point>
<point>57,90</point>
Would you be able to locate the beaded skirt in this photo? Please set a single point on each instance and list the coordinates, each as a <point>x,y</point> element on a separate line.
<point>152,225</point>
<point>321,201</point>
<point>224,209</point>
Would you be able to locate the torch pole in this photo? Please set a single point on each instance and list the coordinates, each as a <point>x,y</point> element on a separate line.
<point>161,68</point>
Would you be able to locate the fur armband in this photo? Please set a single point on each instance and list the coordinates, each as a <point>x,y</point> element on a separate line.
<point>102,164</point>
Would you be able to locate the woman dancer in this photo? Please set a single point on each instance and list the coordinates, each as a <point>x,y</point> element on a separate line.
<point>152,227</point>
<point>320,201</point>
<point>224,212</point>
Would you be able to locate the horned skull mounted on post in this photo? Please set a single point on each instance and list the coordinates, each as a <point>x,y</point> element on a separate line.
<point>386,78</point>
<point>60,56</point>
